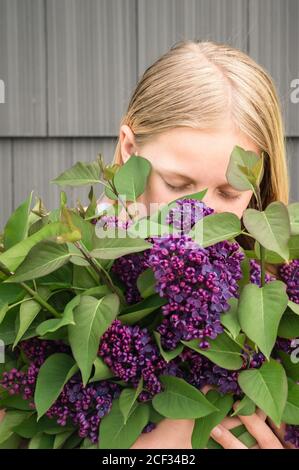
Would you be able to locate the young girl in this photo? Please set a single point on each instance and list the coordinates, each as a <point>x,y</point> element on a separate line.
<point>188,111</point>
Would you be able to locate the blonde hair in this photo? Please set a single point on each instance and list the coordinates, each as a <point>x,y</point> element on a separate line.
<point>199,84</point>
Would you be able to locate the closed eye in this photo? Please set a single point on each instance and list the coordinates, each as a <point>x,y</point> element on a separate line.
<point>225,195</point>
<point>177,188</point>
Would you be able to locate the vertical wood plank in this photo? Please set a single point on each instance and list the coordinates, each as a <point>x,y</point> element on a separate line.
<point>161,23</point>
<point>293,166</point>
<point>22,68</point>
<point>274,41</point>
<point>36,162</point>
<point>6,181</point>
<point>91,65</point>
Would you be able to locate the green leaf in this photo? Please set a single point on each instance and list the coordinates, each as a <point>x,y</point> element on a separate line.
<point>13,257</point>
<point>271,227</point>
<point>267,387</point>
<point>127,399</point>
<point>203,426</point>
<point>61,438</point>
<point>10,420</point>
<point>28,312</point>
<point>215,228</point>
<point>115,243</point>
<point>167,355</point>
<point>115,434</point>
<point>8,327</point>
<point>260,310</point>
<point>3,311</point>
<point>146,283</point>
<point>147,227</point>
<point>44,258</point>
<point>274,258</point>
<point>289,325</point>
<point>291,411</point>
<point>293,210</point>
<point>246,407</point>
<point>223,351</point>
<point>92,318</point>
<point>243,435</point>
<point>133,313</point>
<point>230,319</point>
<point>131,178</point>
<point>73,441</point>
<point>41,441</point>
<point>49,326</point>
<point>12,442</point>
<point>291,368</point>
<point>80,174</point>
<point>101,371</point>
<point>15,402</point>
<point>241,158</point>
<point>16,228</point>
<point>180,400</point>
<point>53,375</point>
<point>10,293</point>
<point>294,307</point>
<point>198,196</point>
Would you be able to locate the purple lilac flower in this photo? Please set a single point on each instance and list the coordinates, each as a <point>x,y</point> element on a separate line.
<point>112,221</point>
<point>23,381</point>
<point>186,213</point>
<point>255,273</point>
<point>289,274</point>
<point>200,371</point>
<point>197,282</point>
<point>128,268</point>
<point>292,434</point>
<point>131,353</point>
<point>149,427</point>
<point>84,407</point>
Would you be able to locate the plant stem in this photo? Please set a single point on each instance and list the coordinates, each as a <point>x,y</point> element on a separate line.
<point>246,233</point>
<point>90,260</point>
<point>114,190</point>
<point>40,300</point>
<point>262,248</point>
<point>34,294</point>
<point>262,252</point>
<point>102,273</point>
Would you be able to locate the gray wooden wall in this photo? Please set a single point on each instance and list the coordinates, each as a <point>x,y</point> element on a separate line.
<point>69,67</point>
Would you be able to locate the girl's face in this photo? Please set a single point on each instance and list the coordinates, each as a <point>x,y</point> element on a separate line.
<point>186,160</point>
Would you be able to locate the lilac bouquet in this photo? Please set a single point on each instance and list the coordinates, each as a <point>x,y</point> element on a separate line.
<point>109,323</point>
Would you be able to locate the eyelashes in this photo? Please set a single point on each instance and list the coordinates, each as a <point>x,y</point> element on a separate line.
<point>229,196</point>
<point>178,189</point>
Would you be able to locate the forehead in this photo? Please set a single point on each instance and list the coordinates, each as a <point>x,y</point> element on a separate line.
<point>197,153</point>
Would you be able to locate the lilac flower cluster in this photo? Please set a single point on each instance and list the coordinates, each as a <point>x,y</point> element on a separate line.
<point>197,282</point>
<point>128,268</point>
<point>131,354</point>
<point>289,274</point>
<point>23,381</point>
<point>112,221</point>
<point>79,406</point>
<point>84,407</point>
<point>292,434</point>
<point>255,273</point>
<point>186,213</point>
<point>199,371</point>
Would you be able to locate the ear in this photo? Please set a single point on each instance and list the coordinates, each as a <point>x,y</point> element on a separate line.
<point>127,143</point>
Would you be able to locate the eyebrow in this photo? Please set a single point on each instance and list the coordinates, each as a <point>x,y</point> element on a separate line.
<point>175,173</point>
